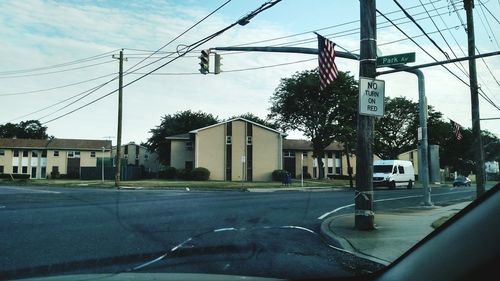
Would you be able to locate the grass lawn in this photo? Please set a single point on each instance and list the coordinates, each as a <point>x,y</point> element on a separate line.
<point>158,183</point>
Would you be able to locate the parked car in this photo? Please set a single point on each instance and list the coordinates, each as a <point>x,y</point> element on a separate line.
<point>461,181</point>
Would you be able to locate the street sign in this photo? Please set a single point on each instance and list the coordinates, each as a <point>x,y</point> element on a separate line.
<point>371,96</point>
<point>395,59</point>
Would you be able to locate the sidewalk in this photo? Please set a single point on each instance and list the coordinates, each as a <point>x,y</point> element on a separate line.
<point>397,231</point>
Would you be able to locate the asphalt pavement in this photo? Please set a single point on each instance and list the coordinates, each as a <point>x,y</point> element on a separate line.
<point>48,228</point>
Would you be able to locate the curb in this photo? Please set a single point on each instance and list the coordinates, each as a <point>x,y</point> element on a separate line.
<point>344,243</point>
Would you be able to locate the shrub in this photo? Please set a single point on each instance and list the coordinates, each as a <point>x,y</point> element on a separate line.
<point>55,175</point>
<point>200,174</point>
<point>277,175</point>
<point>169,173</point>
<point>184,174</point>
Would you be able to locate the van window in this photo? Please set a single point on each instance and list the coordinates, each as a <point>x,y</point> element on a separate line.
<point>382,168</point>
<point>394,170</point>
<point>401,169</point>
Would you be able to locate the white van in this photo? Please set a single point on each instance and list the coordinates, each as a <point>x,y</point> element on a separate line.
<point>393,173</point>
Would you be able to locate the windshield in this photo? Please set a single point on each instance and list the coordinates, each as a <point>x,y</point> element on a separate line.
<point>382,169</point>
<point>234,137</point>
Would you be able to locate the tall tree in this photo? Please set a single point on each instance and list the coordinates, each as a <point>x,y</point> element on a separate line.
<point>178,123</point>
<point>322,116</point>
<point>30,129</point>
<point>396,132</point>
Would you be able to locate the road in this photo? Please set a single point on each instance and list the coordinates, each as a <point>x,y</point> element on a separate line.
<point>81,229</point>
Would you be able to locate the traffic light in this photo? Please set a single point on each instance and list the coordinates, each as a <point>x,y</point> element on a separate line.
<point>205,61</point>
<point>217,64</point>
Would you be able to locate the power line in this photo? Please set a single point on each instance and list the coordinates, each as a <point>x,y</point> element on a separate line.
<point>53,72</point>
<point>451,72</point>
<point>100,86</point>
<point>421,29</point>
<point>96,57</point>
<point>489,26</point>
<point>489,11</point>
<point>57,87</point>
<point>242,21</point>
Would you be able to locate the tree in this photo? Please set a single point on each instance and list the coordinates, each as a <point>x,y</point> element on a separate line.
<point>254,118</point>
<point>30,129</point>
<point>179,123</point>
<point>322,116</point>
<point>396,132</point>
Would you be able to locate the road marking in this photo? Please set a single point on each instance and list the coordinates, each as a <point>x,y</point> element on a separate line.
<point>30,189</point>
<point>387,199</point>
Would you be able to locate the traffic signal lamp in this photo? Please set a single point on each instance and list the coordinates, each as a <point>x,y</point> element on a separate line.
<point>205,61</point>
<point>217,64</point>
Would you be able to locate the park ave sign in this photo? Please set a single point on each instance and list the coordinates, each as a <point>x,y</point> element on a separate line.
<point>371,97</point>
<point>395,59</point>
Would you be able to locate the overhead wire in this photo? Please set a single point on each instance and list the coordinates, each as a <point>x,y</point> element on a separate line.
<point>489,26</point>
<point>57,71</point>
<point>244,20</point>
<point>444,66</point>
<point>95,57</point>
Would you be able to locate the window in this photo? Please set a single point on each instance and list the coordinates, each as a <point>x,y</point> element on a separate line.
<point>73,154</point>
<point>146,156</point>
<point>228,140</point>
<point>289,153</point>
<point>125,150</point>
<point>338,170</point>
<point>2,152</point>
<point>249,140</point>
<point>92,154</point>
<point>330,170</point>
<point>337,154</point>
<point>56,153</point>
<point>55,169</point>
<point>25,153</point>
<point>394,170</point>
<point>34,153</point>
<point>330,154</point>
<point>401,170</point>
<point>189,145</point>
<point>16,153</point>
<point>15,170</point>
<point>304,153</point>
<point>44,153</point>
<point>1,169</point>
<point>25,169</point>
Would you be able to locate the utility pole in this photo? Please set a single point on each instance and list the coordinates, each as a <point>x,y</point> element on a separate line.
<point>363,200</point>
<point>477,144</point>
<point>119,133</point>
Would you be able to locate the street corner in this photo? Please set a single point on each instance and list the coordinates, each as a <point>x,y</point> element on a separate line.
<point>331,229</point>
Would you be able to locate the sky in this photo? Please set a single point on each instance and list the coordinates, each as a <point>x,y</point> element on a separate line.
<point>55,52</point>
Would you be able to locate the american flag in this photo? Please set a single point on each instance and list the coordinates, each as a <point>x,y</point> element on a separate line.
<point>456,129</point>
<point>326,59</point>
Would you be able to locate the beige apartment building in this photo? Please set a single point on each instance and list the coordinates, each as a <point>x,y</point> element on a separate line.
<point>298,158</point>
<point>138,155</point>
<point>39,158</point>
<point>234,150</point>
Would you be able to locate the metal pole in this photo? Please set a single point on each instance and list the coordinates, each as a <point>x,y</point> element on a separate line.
<point>302,167</point>
<point>102,163</point>
<point>477,144</point>
<point>119,133</point>
<point>424,146</point>
<point>363,200</point>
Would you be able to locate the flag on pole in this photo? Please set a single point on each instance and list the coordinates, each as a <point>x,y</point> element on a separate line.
<point>326,60</point>
<point>456,129</point>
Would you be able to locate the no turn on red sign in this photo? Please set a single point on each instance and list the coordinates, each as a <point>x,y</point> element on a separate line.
<point>371,96</point>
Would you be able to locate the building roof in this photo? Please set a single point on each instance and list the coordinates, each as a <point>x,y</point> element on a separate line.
<point>237,119</point>
<point>62,144</point>
<point>178,137</point>
<point>291,144</point>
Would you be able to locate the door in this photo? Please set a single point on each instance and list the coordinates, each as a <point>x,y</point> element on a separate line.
<point>33,172</point>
